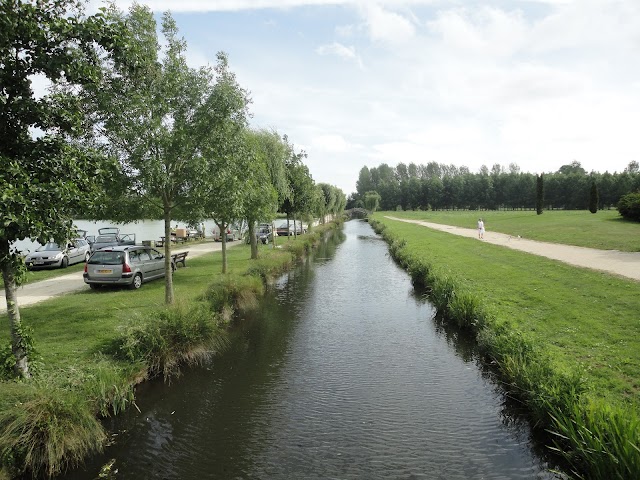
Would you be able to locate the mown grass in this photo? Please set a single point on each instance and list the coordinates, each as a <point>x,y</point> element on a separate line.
<point>566,340</point>
<point>96,345</point>
<point>605,230</point>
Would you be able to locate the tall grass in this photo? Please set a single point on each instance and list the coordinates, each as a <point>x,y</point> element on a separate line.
<point>178,334</point>
<point>49,432</point>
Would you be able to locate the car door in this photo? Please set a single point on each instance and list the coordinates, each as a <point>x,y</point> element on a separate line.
<point>72,253</point>
<point>155,263</point>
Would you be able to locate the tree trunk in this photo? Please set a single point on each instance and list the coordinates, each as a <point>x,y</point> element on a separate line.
<point>223,237</point>
<point>168,271</point>
<point>253,240</point>
<point>21,367</point>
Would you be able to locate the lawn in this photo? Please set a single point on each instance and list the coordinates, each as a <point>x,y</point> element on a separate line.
<point>605,230</point>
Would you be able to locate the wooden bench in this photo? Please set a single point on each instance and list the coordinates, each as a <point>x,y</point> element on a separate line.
<point>179,258</point>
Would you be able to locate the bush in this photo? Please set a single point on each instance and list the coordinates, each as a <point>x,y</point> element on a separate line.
<point>629,206</point>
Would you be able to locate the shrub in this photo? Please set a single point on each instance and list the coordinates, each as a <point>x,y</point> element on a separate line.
<point>629,206</point>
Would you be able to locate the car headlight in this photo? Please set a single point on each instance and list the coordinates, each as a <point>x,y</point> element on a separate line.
<point>58,256</point>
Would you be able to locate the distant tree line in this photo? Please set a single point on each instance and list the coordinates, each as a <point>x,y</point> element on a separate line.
<point>436,186</point>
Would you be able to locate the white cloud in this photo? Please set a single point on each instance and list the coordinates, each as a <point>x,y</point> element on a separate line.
<point>538,83</point>
<point>386,26</point>
<point>337,49</point>
<point>332,143</point>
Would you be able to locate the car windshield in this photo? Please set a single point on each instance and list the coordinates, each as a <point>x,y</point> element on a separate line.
<point>107,258</point>
<point>49,247</point>
<point>105,238</point>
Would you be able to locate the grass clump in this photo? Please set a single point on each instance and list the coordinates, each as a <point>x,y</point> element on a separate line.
<point>50,431</point>
<point>178,334</point>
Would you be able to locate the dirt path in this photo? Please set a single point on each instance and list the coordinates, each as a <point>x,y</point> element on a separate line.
<point>626,264</point>
<point>39,291</point>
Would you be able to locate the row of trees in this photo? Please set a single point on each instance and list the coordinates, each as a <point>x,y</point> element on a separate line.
<point>128,131</point>
<point>438,186</point>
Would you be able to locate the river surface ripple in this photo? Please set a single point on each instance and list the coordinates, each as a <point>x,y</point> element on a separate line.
<point>341,373</point>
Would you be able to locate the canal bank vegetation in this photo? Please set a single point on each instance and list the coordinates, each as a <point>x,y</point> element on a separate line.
<point>565,340</point>
<point>93,347</point>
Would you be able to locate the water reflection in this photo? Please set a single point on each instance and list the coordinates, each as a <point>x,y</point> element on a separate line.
<point>342,372</point>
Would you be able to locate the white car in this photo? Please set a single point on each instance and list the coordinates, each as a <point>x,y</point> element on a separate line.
<point>51,255</point>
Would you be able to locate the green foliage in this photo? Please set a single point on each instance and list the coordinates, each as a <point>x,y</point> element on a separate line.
<point>597,439</point>
<point>447,187</point>
<point>629,206</point>
<point>165,339</point>
<point>49,432</point>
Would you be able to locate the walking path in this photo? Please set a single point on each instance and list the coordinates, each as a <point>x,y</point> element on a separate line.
<point>39,291</point>
<point>626,264</point>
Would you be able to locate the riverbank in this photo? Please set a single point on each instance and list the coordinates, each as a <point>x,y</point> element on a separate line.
<point>564,339</point>
<point>93,347</point>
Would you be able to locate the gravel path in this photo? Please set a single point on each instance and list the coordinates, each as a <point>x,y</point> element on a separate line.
<point>625,264</point>
<point>39,291</point>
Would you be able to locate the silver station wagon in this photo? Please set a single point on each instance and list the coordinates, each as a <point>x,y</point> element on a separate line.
<point>124,265</point>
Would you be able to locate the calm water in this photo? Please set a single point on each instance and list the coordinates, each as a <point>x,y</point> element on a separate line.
<point>342,373</point>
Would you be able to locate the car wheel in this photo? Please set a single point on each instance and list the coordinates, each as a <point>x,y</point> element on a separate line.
<point>86,257</point>
<point>137,282</point>
<point>94,286</point>
<point>64,263</point>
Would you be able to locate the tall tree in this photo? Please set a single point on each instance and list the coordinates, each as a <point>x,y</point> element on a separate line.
<point>44,177</point>
<point>222,188</point>
<point>266,177</point>
<point>154,119</point>
<point>593,197</point>
<point>539,194</point>
<point>371,201</point>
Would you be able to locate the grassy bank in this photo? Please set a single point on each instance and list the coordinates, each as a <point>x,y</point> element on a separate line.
<point>93,347</point>
<point>605,230</point>
<point>566,340</point>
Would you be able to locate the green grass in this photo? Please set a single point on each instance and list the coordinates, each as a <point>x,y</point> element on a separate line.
<point>566,340</point>
<point>95,345</point>
<point>605,230</point>
<point>583,317</point>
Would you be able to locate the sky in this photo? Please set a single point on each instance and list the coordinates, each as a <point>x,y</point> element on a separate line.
<point>357,83</point>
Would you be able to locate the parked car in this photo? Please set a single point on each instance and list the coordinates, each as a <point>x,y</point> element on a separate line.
<point>232,234</point>
<point>110,237</point>
<point>52,255</point>
<point>264,233</point>
<point>294,227</point>
<point>128,265</point>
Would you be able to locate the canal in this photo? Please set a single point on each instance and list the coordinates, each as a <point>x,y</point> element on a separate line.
<point>342,372</point>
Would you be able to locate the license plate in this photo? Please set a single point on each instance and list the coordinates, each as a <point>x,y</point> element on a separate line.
<point>105,271</point>
<point>38,262</point>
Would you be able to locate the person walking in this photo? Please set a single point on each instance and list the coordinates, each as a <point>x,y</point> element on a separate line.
<point>480,229</point>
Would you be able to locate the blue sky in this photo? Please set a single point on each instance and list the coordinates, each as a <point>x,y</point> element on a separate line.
<point>355,83</point>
